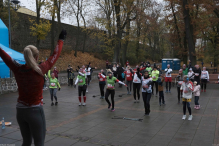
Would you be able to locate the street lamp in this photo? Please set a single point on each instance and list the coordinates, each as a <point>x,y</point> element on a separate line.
<point>15,2</point>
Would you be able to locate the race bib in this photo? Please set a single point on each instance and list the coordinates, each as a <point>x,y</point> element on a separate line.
<point>127,75</point>
<point>101,79</point>
<point>135,80</point>
<point>110,86</point>
<point>196,74</point>
<point>80,81</point>
<point>154,77</point>
<point>53,84</point>
<point>180,82</point>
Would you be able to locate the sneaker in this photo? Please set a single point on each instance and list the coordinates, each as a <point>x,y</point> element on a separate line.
<point>198,107</point>
<point>184,117</point>
<point>128,93</point>
<point>164,103</point>
<point>160,104</point>
<point>109,107</point>
<point>190,117</point>
<point>156,95</point>
<point>112,109</point>
<point>79,104</point>
<point>138,101</point>
<point>84,104</point>
<point>52,104</point>
<point>178,102</point>
<point>103,97</point>
<point>146,114</point>
<point>56,103</point>
<point>204,90</point>
<point>201,90</point>
<point>195,107</point>
<point>135,101</point>
<point>169,92</point>
<point>87,90</point>
<point>166,91</point>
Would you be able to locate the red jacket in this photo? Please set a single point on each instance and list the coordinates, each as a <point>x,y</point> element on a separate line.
<point>56,72</point>
<point>29,82</point>
<point>101,78</point>
<point>127,63</point>
<point>128,75</point>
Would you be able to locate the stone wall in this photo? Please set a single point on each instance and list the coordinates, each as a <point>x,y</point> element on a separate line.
<point>21,36</point>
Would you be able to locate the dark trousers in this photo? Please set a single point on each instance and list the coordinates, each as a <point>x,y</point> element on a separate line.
<point>136,87</point>
<point>161,97</point>
<point>32,125</point>
<point>82,89</point>
<point>197,80</point>
<point>146,98</point>
<point>102,89</point>
<point>88,79</point>
<point>129,85</point>
<point>53,93</point>
<point>188,106</point>
<point>71,82</point>
<point>203,83</point>
<point>156,85</point>
<point>168,83</point>
<point>196,100</point>
<point>179,93</point>
<point>108,92</point>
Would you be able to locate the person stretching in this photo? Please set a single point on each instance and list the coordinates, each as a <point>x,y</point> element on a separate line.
<point>146,91</point>
<point>81,80</point>
<point>155,74</point>
<point>54,83</point>
<point>30,79</point>
<point>111,88</point>
<point>160,89</point>
<point>187,89</point>
<point>102,83</point>
<point>128,73</point>
<point>168,78</point>
<point>204,79</point>
<point>136,83</point>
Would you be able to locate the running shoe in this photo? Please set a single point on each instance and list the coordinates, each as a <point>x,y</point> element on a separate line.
<point>138,101</point>
<point>160,104</point>
<point>87,90</point>
<point>130,93</point>
<point>84,104</point>
<point>135,101</point>
<point>52,104</point>
<point>190,117</point>
<point>109,107</point>
<point>79,104</point>
<point>169,92</point>
<point>201,90</point>
<point>56,103</point>
<point>156,95</point>
<point>112,109</point>
<point>166,91</point>
<point>184,117</point>
<point>204,90</point>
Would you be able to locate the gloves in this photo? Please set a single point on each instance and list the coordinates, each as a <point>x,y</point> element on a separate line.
<point>59,89</point>
<point>62,35</point>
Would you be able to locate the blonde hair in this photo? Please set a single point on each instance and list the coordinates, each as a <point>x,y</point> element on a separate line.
<point>30,53</point>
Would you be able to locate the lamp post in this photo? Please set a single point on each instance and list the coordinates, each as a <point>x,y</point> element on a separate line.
<point>15,2</point>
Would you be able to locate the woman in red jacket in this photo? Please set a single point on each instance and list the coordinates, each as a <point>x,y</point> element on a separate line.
<point>128,73</point>
<point>30,80</point>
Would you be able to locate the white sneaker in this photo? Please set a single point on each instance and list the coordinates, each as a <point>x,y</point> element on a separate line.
<point>190,117</point>
<point>84,104</point>
<point>87,90</point>
<point>79,104</point>
<point>184,117</point>
<point>135,101</point>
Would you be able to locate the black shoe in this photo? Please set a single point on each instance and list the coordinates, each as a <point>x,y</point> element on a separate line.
<point>163,103</point>
<point>109,106</point>
<point>56,103</point>
<point>160,104</point>
<point>52,104</point>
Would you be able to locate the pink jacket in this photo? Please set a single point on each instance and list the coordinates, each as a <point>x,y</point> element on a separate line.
<point>196,90</point>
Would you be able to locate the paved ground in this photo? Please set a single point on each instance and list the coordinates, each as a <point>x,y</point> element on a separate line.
<point>68,124</point>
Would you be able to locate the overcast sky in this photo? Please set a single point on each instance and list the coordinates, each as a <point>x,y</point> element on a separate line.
<point>31,4</point>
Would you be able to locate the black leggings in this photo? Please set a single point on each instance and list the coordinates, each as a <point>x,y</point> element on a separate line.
<point>156,85</point>
<point>179,93</point>
<point>71,82</point>
<point>108,92</point>
<point>136,86</point>
<point>88,79</point>
<point>203,83</point>
<point>32,125</point>
<point>102,89</point>
<point>146,98</point>
<point>167,86</point>
<point>129,85</point>
<point>188,106</point>
<point>161,97</point>
<point>82,89</point>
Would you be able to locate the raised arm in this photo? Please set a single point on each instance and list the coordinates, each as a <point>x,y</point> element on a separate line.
<point>81,74</point>
<point>11,63</point>
<point>103,76</point>
<point>120,82</point>
<point>47,65</point>
<point>76,81</point>
<point>49,76</point>
<point>58,84</point>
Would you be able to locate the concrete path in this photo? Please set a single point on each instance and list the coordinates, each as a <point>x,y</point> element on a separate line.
<point>68,124</point>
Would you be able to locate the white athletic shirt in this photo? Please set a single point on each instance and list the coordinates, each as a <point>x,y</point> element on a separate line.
<point>168,70</point>
<point>136,79</point>
<point>190,74</point>
<point>88,71</point>
<point>205,75</point>
<point>144,83</point>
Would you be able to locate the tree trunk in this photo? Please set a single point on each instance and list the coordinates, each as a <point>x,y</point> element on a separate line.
<point>138,38</point>
<point>78,30</point>
<point>58,12</point>
<point>38,7</point>
<point>189,33</point>
<point>52,30</point>
<point>119,33</point>
<point>185,51</point>
<point>126,44</point>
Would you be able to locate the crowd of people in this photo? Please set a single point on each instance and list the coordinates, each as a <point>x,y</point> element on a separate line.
<point>145,77</point>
